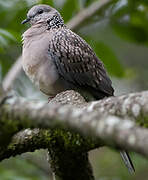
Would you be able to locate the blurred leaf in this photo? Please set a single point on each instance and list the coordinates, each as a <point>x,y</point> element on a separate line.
<point>110,60</point>
<point>130,21</point>
<point>69,8</point>
<point>6,34</point>
<point>10,170</point>
<point>5,37</point>
<point>85,3</point>
<point>50,2</point>
<point>3,42</point>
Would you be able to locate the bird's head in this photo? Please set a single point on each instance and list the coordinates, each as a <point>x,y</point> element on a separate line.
<point>43,14</point>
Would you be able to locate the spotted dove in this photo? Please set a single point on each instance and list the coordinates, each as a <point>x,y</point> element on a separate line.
<point>56,59</point>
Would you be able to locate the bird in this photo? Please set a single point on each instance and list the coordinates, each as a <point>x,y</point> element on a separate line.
<point>56,59</point>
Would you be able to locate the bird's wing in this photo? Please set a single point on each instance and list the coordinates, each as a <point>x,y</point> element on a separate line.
<point>77,63</point>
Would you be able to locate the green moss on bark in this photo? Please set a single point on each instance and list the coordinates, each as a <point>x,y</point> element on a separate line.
<point>69,157</point>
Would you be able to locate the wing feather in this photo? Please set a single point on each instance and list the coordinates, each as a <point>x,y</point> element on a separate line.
<point>77,63</point>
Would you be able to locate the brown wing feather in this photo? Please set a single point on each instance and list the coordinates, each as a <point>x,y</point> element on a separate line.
<point>77,63</point>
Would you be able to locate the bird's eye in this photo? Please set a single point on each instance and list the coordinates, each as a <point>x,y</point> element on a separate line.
<point>40,11</point>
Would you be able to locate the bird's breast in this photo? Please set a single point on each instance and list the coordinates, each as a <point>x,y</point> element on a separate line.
<point>39,65</point>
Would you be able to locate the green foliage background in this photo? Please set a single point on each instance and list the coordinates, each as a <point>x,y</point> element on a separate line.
<point>119,36</point>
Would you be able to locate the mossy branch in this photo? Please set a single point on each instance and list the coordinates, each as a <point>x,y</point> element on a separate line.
<point>112,120</point>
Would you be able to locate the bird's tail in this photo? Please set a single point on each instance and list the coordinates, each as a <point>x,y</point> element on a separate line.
<point>127,160</point>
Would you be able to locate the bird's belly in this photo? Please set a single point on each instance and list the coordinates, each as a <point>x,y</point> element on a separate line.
<point>44,75</point>
<point>40,68</point>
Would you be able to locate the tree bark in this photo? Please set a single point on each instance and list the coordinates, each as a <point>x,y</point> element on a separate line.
<point>71,127</point>
<point>112,120</point>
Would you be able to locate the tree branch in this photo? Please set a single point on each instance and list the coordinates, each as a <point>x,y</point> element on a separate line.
<point>63,147</point>
<point>29,140</point>
<point>86,14</point>
<point>111,121</point>
<point>12,74</point>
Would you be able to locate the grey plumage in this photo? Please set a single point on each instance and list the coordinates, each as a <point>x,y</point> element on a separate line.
<point>57,59</point>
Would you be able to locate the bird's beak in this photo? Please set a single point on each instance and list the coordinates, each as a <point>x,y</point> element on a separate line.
<point>25,21</point>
